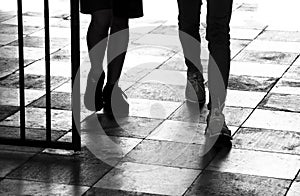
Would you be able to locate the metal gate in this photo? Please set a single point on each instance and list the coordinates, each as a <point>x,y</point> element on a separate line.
<point>75,63</point>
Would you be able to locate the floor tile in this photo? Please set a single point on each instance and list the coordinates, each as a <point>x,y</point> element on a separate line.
<point>57,68</point>
<point>55,32</point>
<point>125,127</point>
<point>166,30</point>
<point>237,45</point>
<point>184,132</point>
<point>294,190</point>
<point>169,41</point>
<point>244,98</point>
<point>293,73</point>
<point>6,111</point>
<point>10,160</point>
<point>66,87</point>
<point>13,29</point>
<point>166,77</point>
<point>134,75</point>
<point>32,81</point>
<point>29,52</point>
<point>39,21</point>
<point>257,69</point>
<point>189,113</point>
<point>219,183</point>
<point>59,100</point>
<point>283,166</point>
<point>277,120</point>
<point>266,57</point>
<point>250,83</point>
<point>82,169</point>
<point>5,15</point>
<point>36,118</point>
<point>10,65</point>
<point>108,149</point>
<point>22,187</point>
<point>247,34</point>
<point>148,179</point>
<point>11,96</point>
<point>152,108</point>
<point>286,36</point>
<point>157,91</point>
<point>267,140</point>
<point>105,192</point>
<point>171,154</point>
<point>39,42</point>
<point>286,102</point>
<point>275,46</point>
<point>20,148</point>
<point>7,38</point>
<point>32,134</point>
<point>287,87</point>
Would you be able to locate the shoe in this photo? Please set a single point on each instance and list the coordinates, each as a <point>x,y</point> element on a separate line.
<point>93,96</point>
<point>195,90</point>
<point>115,102</point>
<point>216,125</point>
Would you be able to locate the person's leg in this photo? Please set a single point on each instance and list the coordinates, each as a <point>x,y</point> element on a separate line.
<point>189,25</point>
<point>114,100</point>
<point>96,41</point>
<point>217,34</point>
<point>117,47</point>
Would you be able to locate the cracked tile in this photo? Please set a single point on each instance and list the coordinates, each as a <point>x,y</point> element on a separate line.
<point>148,179</point>
<point>274,165</point>
<point>223,183</point>
<point>277,120</point>
<point>267,140</point>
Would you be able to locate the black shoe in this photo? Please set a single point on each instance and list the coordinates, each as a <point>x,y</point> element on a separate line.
<point>115,102</point>
<point>195,90</point>
<point>216,125</point>
<point>93,96</point>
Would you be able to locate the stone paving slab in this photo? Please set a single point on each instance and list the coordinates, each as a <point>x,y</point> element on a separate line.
<point>294,190</point>
<point>267,140</point>
<point>234,184</point>
<point>23,187</point>
<point>148,179</point>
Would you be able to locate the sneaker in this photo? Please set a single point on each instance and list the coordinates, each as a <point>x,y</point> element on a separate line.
<point>93,99</point>
<point>115,101</point>
<point>195,90</point>
<point>216,125</point>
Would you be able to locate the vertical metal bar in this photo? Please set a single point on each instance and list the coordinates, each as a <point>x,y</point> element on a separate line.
<point>75,61</point>
<point>21,71</point>
<point>48,77</point>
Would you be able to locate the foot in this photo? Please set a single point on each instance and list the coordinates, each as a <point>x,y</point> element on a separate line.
<point>115,102</point>
<point>195,90</point>
<point>216,125</point>
<point>93,98</point>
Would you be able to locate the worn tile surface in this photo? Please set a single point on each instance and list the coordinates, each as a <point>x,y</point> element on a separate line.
<point>222,183</point>
<point>148,179</point>
<point>286,102</point>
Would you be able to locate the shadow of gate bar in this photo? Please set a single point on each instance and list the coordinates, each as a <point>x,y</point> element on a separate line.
<point>75,64</point>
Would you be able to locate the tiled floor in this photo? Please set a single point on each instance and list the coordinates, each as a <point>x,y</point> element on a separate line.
<point>160,148</point>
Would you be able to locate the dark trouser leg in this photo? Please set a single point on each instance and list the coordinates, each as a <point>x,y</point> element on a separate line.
<point>97,39</point>
<point>218,37</point>
<point>117,47</point>
<point>189,22</point>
